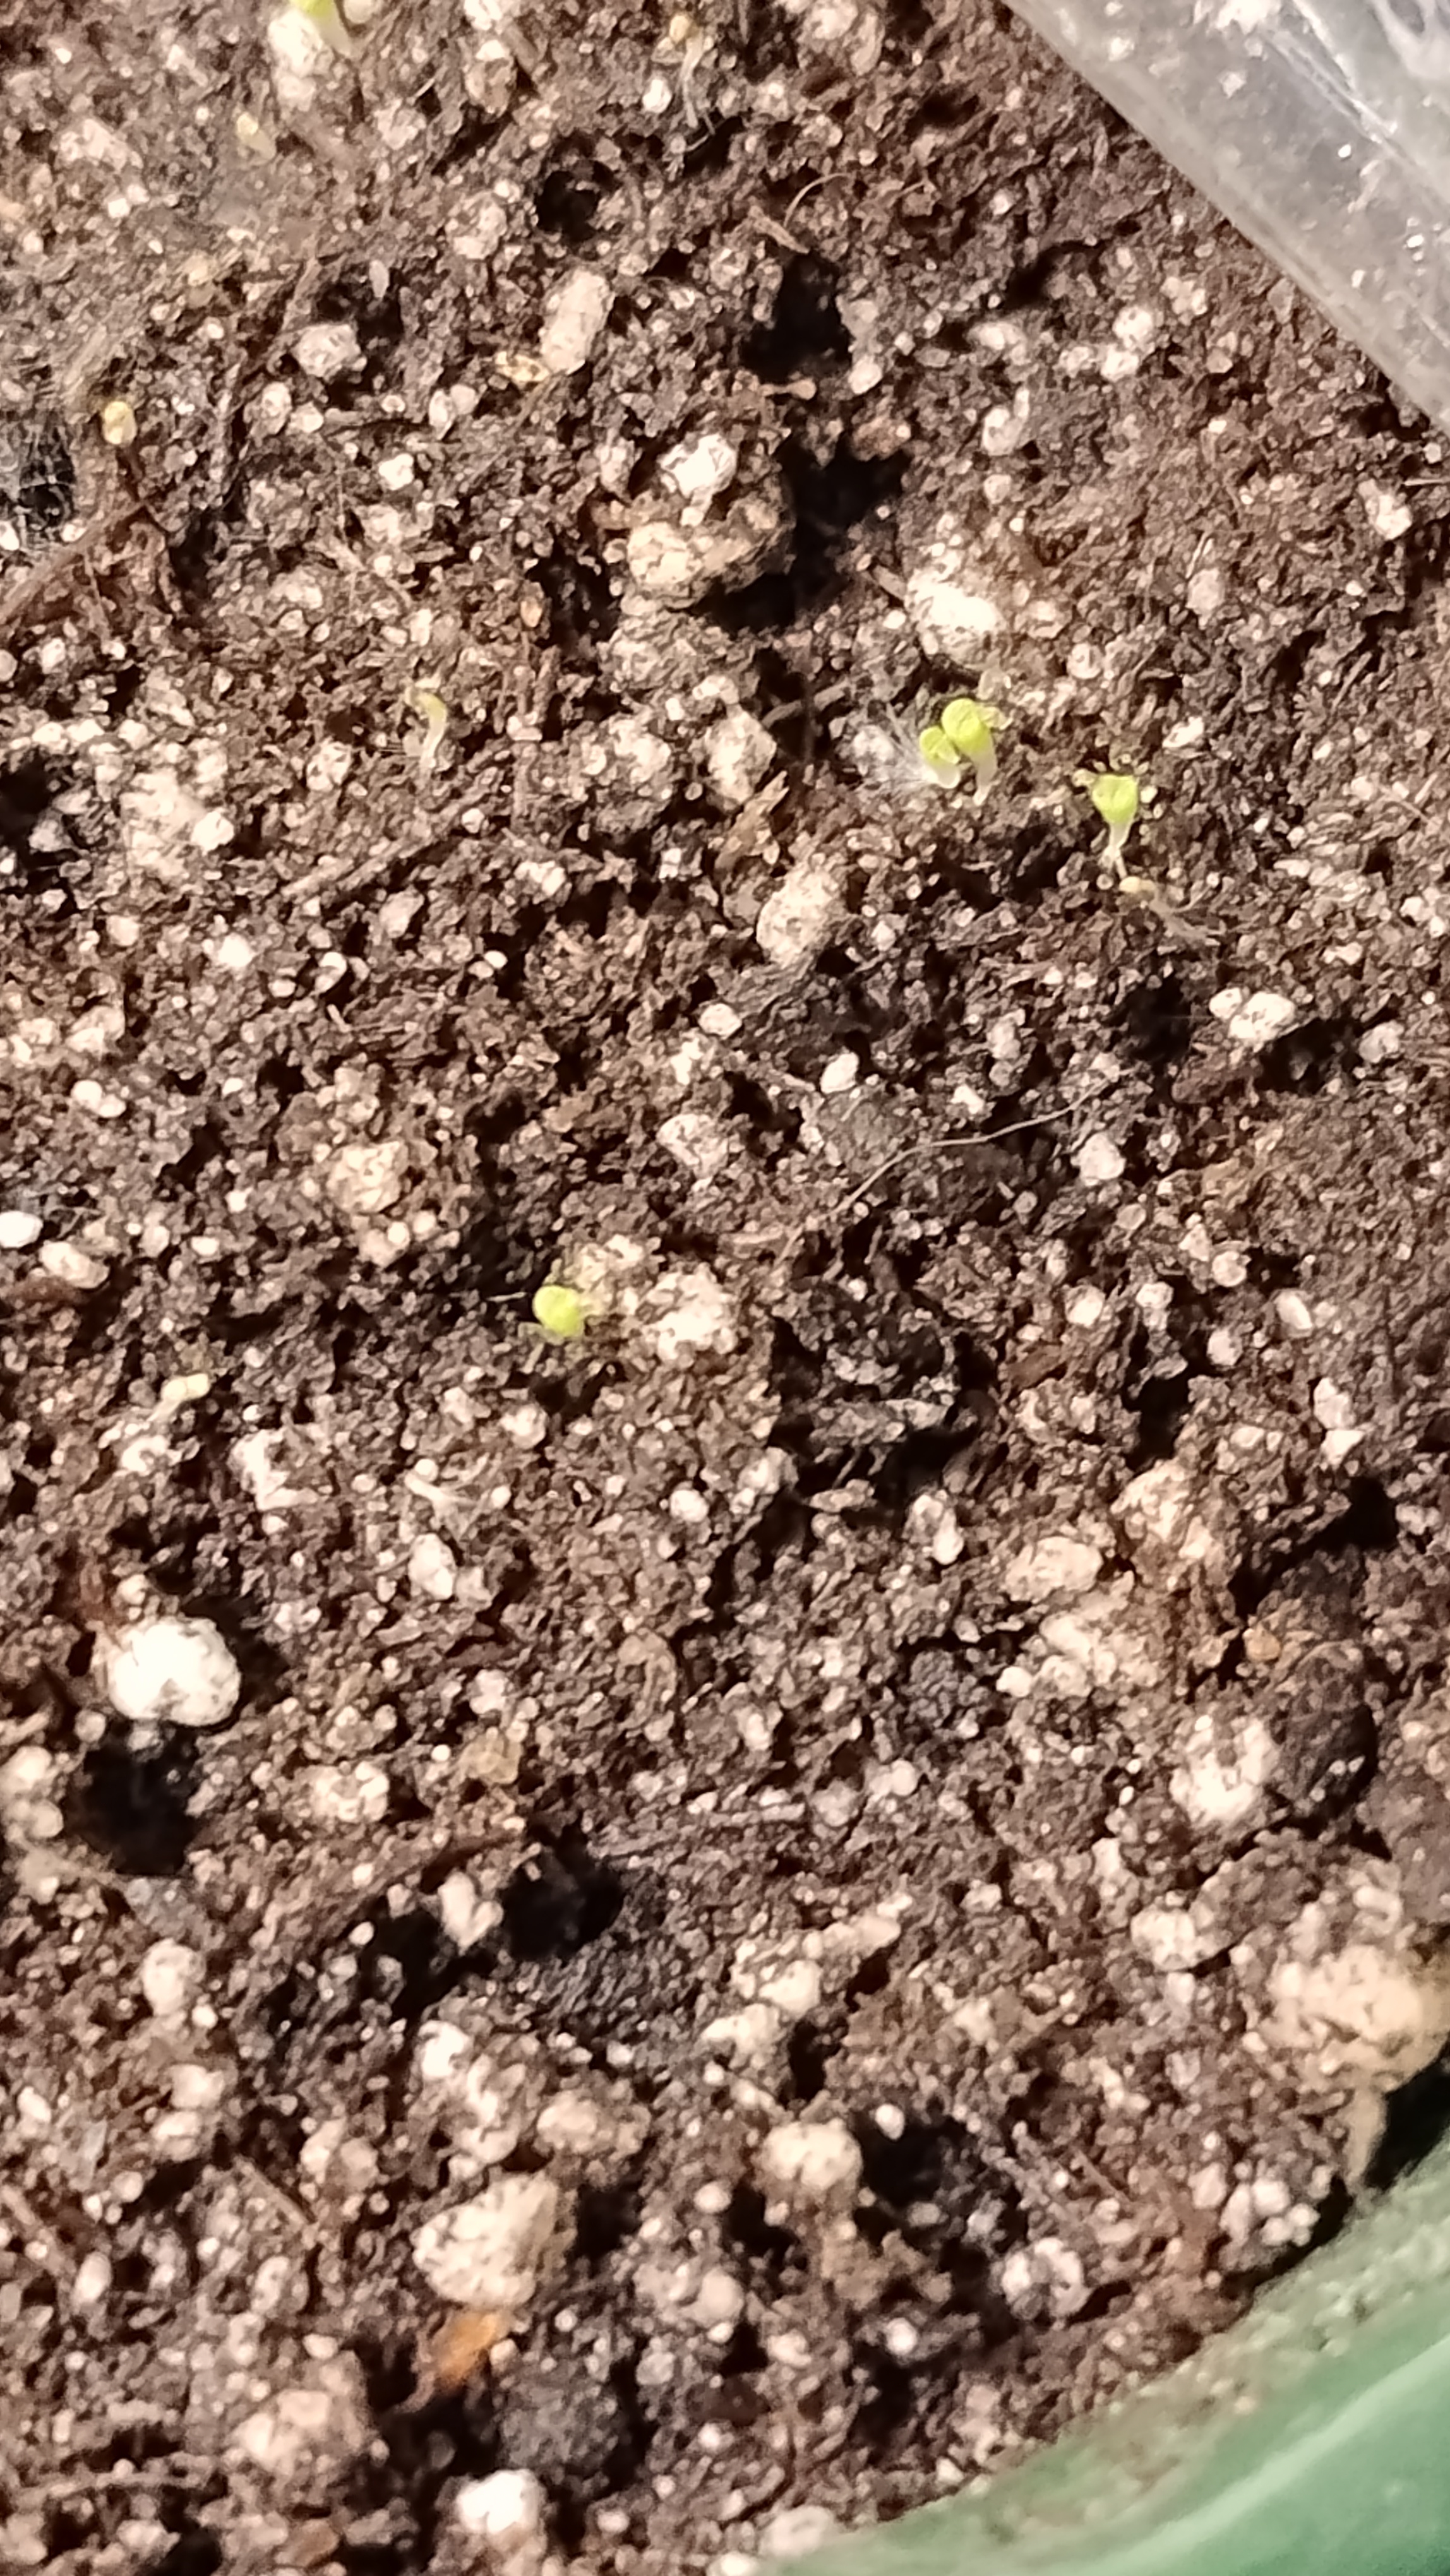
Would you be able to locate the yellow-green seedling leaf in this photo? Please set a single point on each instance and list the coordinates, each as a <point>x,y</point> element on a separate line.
<point>331,26</point>
<point>560,1312</point>
<point>969,727</point>
<point>939,754</point>
<point>433,714</point>
<point>1115,800</point>
<point>118,422</point>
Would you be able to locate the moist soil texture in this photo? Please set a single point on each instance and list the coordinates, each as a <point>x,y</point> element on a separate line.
<point>621,1949</point>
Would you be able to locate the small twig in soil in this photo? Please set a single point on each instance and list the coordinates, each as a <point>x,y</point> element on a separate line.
<point>41,592</point>
<point>327,878</point>
<point>282,2201</point>
<point>777,233</point>
<point>533,703</point>
<point>46,2245</point>
<point>958,1144</point>
<point>814,702</point>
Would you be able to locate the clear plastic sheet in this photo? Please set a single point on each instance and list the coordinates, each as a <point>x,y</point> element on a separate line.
<point>1320,127</point>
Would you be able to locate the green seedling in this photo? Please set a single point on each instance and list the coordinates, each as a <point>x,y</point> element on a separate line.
<point>118,422</point>
<point>692,42</point>
<point>970,727</point>
<point>331,26</point>
<point>562,1313</point>
<point>939,756</point>
<point>432,713</point>
<point>962,737</point>
<point>1115,800</point>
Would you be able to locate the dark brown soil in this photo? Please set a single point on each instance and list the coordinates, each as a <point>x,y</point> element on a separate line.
<point>953,1656</point>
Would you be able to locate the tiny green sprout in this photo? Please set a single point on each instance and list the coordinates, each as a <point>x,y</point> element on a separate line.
<point>1115,800</point>
<point>561,1312</point>
<point>331,26</point>
<point>937,751</point>
<point>961,737</point>
<point>118,422</point>
<point>969,728</point>
<point>433,715</point>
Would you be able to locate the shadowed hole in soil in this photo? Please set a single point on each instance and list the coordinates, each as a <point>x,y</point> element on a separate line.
<point>607,2215</point>
<point>370,298</point>
<point>1270,1270</point>
<point>1031,859</point>
<point>1160,1393</point>
<point>832,495</point>
<point>805,328</point>
<point>830,499</point>
<point>409,1965</point>
<point>945,112</point>
<point>131,1807</point>
<point>904,2165</point>
<point>784,1530</point>
<point>1305,1059</point>
<point>583,611</point>
<point>709,150</point>
<point>918,1464</point>
<point>782,702</point>
<point>192,2553</point>
<point>471,135</point>
<point>47,847</point>
<point>196,555</point>
<point>37,476</point>
<point>1368,1526</point>
<point>887,2405</point>
<point>1155,1020</point>
<point>745,2354</point>
<point>1369,1519</point>
<point>735,2399</point>
<point>169,2188</point>
<point>930,2183</point>
<point>907,2398</point>
<point>809,2051</point>
<point>745,2230</point>
<point>207,1145</point>
<point>141,2444</point>
<point>426,2442</point>
<point>343,1996</point>
<point>571,192</point>
<point>751,1102</point>
<point>27,791</point>
<point>560,1901</point>
<point>590,1953</point>
<point>1416,2118</point>
<point>767,40</point>
<point>67,2527</point>
<point>1042,276</point>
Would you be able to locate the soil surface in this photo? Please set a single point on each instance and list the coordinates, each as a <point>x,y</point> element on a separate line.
<point>789,1890</point>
